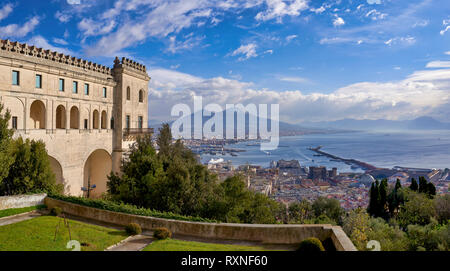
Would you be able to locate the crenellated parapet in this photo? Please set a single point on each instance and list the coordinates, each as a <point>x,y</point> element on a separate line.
<point>40,53</point>
<point>125,62</point>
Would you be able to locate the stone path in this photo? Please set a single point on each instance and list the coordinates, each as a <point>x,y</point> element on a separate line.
<point>18,218</point>
<point>132,243</point>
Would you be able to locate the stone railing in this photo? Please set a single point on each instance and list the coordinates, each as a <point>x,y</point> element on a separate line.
<point>21,201</point>
<point>268,234</point>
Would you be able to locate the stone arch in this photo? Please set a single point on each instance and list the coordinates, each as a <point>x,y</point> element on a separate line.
<point>74,118</point>
<point>16,109</point>
<point>37,115</point>
<point>60,117</point>
<point>57,169</point>
<point>96,169</point>
<point>95,119</point>
<point>104,120</point>
<point>141,96</point>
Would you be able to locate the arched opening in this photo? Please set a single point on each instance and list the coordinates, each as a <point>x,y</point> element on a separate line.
<point>57,170</point>
<point>37,115</point>
<point>95,118</point>
<point>74,118</point>
<point>141,96</point>
<point>60,117</point>
<point>96,169</point>
<point>104,119</point>
<point>128,93</point>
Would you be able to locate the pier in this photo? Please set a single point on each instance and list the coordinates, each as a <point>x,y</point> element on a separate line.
<point>362,165</point>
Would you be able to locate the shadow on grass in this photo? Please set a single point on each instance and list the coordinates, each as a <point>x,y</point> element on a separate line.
<point>120,233</point>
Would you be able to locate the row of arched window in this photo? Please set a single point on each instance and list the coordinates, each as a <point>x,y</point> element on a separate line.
<point>37,115</point>
<point>141,95</point>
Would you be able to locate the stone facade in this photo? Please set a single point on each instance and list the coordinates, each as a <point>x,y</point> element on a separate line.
<point>84,112</point>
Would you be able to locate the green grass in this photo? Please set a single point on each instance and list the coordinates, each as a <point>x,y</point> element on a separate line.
<point>37,235</point>
<point>16,211</point>
<point>178,245</point>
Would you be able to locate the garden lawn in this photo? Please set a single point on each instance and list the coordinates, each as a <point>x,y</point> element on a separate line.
<point>16,211</point>
<point>37,235</point>
<point>179,245</point>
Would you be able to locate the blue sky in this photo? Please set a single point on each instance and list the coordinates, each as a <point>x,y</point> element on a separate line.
<point>320,60</point>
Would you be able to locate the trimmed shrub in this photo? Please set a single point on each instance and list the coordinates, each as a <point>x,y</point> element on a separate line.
<point>162,233</point>
<point>310,245</point>
<point>56,211</point>
<point>126,208</point>
<point>133,229</point>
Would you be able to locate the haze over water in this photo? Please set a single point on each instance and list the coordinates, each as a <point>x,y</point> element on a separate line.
<point>423,149</point>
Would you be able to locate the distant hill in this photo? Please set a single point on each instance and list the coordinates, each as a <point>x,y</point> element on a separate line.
<point>284,127</point>
<point>422,123</point>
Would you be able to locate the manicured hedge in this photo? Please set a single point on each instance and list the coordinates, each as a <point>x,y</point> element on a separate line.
<point>126,208</point>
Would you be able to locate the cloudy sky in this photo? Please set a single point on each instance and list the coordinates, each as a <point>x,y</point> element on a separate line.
<point>320,60</point>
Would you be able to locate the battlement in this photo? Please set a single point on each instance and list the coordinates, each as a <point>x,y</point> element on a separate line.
<point>129,63</point>
<point>40,53</point>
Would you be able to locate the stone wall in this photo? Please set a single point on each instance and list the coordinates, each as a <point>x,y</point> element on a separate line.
<point>21,201</point>
<point>269,234</point>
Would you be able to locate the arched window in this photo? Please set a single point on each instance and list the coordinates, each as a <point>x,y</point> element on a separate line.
<point>104,120</point>
<point>74,118</point>
<point>141,96</point>
<point>37,114</point>
<point>60,117</point>
<point>128,93</point>
<point>95,119</point>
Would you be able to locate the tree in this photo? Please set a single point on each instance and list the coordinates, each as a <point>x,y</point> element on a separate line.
<point>328,207</point>
<point>423,187</point>
<point>414,186</point>
<point>300,211</point>
<point>395,199</point>
<point>30,172</point>
<point>373,199</point>
<point>418,209</point>
<point>5,143</point>
<point>378,202</point>
<point>442,206</point>
<point>431,189</point>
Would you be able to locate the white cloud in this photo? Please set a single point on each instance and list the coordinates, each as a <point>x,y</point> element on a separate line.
<point>405,41</point>
<point>247,51</point>
<point>90,27</point>
<point>60,41</point>
<point>338,21</point>
<point>73,2</point>
<point>17,31</point>
<point>176,46</point>
<point>376,15</point>
<point>291,37</point>
<point>63,17</point>
<point>277,9</point>
<point>438,64</point>
<point>371,2</point>
<point>41,42</point>
<point>447,53</point>
<point>421,93</point>
<point>5,11</point>
<point>318,10</point>
<point>293,79</point>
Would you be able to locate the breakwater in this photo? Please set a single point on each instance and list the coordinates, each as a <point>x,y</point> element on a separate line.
<point>362,165</point>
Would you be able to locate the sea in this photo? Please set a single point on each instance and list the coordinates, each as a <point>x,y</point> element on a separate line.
<point>418,149</point>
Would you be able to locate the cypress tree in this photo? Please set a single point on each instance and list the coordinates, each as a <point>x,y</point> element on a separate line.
<point>398,185</point>
<point>414,186</point>
<point>431,189</point>
<point>383,198</point>
<point>5,144</point>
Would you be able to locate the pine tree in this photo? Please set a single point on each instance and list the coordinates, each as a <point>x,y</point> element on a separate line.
<point>414,186</point>
<point>373,201</point>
